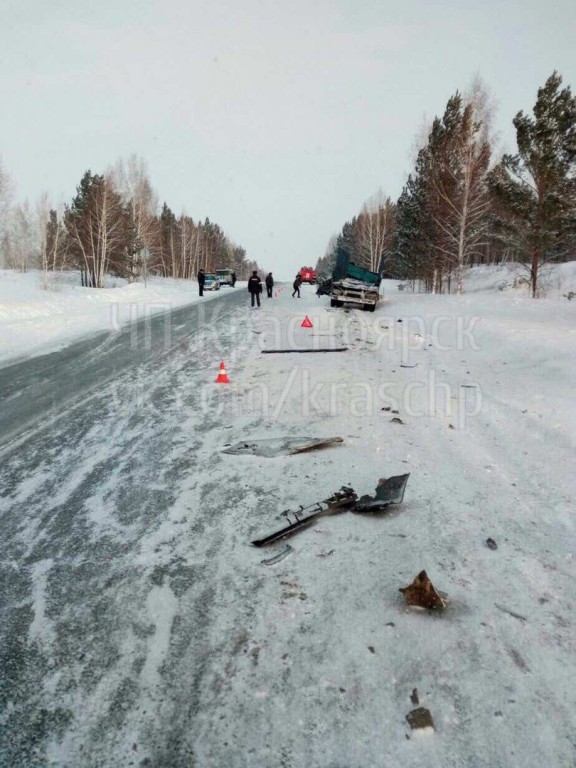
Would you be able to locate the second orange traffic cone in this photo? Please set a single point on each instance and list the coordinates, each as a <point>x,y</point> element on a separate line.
<point>222,377</point>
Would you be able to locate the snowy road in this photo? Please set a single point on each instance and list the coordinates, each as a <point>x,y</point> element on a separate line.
<point>138,624</point>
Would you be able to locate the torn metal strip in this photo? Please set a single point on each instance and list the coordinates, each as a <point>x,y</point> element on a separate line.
<point>301,351</point>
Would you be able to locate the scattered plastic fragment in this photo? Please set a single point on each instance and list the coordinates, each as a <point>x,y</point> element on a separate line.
<point>279,446</point>
<point>414,696</point>
<point>420,719</point>
<point>302,351</point>
<point>388,491</point>
<point>396,420</point>
<point>491,544</point>
<point>422,594</point>
<point>279,557</point>
<point>511,613</point>
<point>335,503</point>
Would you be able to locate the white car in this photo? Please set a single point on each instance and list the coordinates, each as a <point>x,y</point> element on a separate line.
<point>211,283</point>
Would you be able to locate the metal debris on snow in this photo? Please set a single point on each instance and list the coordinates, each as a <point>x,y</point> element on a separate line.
<point>422,594</point>
<point>279,446</point>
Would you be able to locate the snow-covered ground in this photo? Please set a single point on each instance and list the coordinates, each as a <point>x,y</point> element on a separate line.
<point>141,626</point>
<point>34,320</point>
<point>554,280</point>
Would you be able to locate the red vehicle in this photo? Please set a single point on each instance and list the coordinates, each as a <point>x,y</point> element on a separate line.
<point>308,275</point>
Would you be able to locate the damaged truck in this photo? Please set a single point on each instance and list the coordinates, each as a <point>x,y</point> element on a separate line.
<point>358,288</point>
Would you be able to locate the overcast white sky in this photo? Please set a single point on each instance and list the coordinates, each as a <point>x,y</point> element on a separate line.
<point>275,119</point>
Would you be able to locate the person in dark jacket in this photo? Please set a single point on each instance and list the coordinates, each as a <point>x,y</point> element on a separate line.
<point>255,288</point>
<point>233,279</point>
<point>296,285</point>
<point>201,278</point>
<point>269,284</point>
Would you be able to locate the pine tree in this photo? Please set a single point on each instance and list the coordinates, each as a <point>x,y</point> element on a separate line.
<point>535,189</point>
<point>98,230</point>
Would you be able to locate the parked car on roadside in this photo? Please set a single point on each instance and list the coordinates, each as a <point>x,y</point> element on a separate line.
<point>211,283</point>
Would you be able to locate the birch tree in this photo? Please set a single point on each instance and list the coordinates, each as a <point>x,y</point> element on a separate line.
<point>130,178</point>
<point>376,229</point>
<point>6,198</point>
<point>20,241</point>
<point>459,184</point>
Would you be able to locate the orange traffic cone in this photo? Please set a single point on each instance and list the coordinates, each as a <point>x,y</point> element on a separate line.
<point>222,377</point>
<point>307,323</point>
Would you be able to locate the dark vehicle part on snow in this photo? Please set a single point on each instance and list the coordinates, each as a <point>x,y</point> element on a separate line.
<point>414,696</point>
<point>302,351</point>
<point>491,544</point>
<point>303,517</point>
<point>396,420</point>
<point>325,288</point>
<point>422,594</point>
<point>281,446</point>
<point>388,491</point>
<point>420,719</point>
<point>279,557</point>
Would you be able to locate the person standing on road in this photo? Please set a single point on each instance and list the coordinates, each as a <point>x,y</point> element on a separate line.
<point>233,279</point>
<point>269,284</point>
<point>255,288</point>
<point>296,285</point>
<point>201,278</point>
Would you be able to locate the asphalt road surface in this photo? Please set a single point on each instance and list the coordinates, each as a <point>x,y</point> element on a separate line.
<point>104,630</point>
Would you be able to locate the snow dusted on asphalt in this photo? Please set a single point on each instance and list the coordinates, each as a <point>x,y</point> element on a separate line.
<point>143,629</point>
<point>34,320</point>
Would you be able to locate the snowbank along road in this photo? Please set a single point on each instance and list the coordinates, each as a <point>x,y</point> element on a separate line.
<point>139,626</point>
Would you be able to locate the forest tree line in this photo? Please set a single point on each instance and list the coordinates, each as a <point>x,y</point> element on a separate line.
<point>113,225</point>
<point>462,206</point>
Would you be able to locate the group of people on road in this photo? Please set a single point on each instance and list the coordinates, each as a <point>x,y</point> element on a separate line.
<point>254,286</point>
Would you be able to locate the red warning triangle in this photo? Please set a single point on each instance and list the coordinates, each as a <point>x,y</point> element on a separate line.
<point>307,323</point>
